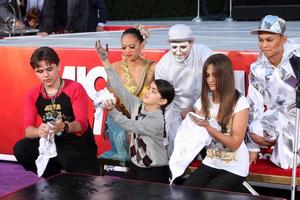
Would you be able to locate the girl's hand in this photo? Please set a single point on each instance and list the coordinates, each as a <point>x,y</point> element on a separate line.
<point>102,53</point>
<point>199,121</point>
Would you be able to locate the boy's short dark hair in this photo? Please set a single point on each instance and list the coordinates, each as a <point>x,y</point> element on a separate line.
<point>46,54</point>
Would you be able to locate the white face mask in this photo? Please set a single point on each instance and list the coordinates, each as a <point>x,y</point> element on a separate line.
<point>180,50</point>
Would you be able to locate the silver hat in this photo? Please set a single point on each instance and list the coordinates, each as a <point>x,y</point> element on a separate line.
<point>180,32</point>
<point>272,24</point>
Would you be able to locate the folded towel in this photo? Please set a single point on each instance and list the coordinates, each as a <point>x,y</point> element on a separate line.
<point>102,96</point>
<point>47,150</point>
<point>99,99</point>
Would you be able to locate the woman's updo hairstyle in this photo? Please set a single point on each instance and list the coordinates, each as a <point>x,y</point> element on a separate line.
<point>139,31</point>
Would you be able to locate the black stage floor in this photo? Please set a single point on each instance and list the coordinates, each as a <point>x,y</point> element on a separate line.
<point>68,186</point>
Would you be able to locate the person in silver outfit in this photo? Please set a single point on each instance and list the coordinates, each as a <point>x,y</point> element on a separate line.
<point>181,66</point>
<point>272,93</point>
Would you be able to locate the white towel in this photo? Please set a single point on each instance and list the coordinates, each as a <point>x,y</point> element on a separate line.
<point>99,99</point>
<point>190,139</point>
<point>47,150</point>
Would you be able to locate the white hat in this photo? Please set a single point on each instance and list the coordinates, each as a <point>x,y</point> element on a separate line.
<point>180,32</point>
<point>271,24</point>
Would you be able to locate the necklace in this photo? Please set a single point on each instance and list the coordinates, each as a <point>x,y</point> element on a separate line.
<point>132,86</point>
<point>54,96</point>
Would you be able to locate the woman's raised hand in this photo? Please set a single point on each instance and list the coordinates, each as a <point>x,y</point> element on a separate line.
<point>102,53</point>
<point>109,104</point>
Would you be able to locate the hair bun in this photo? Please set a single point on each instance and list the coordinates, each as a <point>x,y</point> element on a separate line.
<point>143,31</point>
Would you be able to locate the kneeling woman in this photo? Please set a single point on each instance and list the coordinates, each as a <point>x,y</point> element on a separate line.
<point>227,162</point>
<point>146,126</point>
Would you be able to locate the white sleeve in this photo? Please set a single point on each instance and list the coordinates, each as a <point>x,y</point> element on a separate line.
<point>256,100</point>
<point>160,73</point>
<point>241,104</point>
<point>198,104</point>
<point>253,147</point>
<point>161,69</point>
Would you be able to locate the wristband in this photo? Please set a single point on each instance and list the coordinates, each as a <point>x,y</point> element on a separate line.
<point>66,128</point>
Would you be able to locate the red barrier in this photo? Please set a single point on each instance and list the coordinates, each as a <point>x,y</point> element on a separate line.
<point>81,65</point>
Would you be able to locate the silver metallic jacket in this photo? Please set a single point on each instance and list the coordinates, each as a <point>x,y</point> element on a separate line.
<point>272,105</point>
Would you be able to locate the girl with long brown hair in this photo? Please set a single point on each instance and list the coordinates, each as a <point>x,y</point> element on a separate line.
<point>226,163</point>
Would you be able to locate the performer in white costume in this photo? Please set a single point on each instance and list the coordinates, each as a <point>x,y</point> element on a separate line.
<point>272,93</point>
<point>182,67</point>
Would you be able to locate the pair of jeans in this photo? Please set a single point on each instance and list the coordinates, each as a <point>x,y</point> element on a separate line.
<point>208,177</point>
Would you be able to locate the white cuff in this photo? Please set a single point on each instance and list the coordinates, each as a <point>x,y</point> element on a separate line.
<point>257,128</point>
<point>100,24</point>
<point>253,147</point>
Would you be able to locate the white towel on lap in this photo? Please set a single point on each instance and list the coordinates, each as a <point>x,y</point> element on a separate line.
<point>47,150</point>
<point>189,141</point>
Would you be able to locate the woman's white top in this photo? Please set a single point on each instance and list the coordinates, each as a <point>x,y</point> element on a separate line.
<point>220,157</point>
